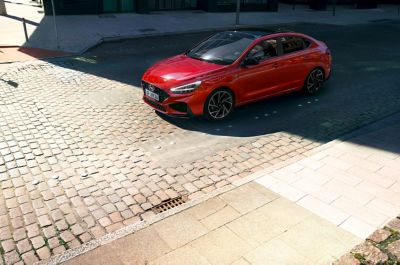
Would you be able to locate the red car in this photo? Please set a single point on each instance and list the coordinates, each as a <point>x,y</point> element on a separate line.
<point>233,68</point>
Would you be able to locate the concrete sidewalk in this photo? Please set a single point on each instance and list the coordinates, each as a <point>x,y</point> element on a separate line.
<point>248,225</point>
<point>309,212</point>
<point>78,33</point>
<point>11,29</point>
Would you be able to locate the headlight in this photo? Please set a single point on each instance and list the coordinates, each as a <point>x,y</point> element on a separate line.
<point>186,88</point>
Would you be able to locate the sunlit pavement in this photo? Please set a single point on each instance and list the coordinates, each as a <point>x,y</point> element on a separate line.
<point>313,211</point>
<point>20,54</point>
<point>82,156</point>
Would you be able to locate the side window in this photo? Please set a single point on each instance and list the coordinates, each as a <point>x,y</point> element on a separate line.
<point>292,44</point>
<point>264,50</point>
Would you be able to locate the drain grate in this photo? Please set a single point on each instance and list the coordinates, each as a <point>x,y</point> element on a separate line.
<point>169,204</point>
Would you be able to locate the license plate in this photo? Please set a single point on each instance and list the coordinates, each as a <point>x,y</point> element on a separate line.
<point>152,95</point>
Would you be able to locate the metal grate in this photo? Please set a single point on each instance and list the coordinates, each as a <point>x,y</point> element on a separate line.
<point>169,204</point>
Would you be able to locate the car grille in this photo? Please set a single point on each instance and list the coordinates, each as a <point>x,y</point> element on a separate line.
<point>161,93</point>
<point>154,104</point>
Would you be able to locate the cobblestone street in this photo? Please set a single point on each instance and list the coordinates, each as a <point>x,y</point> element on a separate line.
<point>382,247</point>
<point>81,155</point>
<point>74,163</point>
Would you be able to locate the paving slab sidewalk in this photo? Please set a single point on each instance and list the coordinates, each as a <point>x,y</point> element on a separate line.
<point>354,184</point>
<point>310,212</point>
<point>248,225</point>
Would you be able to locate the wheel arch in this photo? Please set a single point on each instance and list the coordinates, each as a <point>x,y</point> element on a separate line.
<point>224,88</point>
<point>216,89</point>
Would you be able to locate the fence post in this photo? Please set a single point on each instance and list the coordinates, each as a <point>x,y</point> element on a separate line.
<point>3,10</point>
<point>237,11</point>
<point>55,24</point>
<point>25,31</point>
<point>334,8</point>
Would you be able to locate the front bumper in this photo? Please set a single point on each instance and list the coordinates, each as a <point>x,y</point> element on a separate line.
<point>182,105</point>
<point>178,109</point>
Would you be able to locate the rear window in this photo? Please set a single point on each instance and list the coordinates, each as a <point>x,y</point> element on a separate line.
<point>293,44</point>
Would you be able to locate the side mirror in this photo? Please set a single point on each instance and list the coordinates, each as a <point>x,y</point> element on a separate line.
<point>250,61</point>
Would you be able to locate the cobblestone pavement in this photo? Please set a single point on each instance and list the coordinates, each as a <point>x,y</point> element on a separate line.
<point>81,155</point>
<point>382,247</point>
<point>74,163</point>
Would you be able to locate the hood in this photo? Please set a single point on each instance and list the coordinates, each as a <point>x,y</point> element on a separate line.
<point>176,70</point>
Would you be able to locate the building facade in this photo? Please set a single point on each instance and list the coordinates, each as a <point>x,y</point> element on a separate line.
<point>76,7</point>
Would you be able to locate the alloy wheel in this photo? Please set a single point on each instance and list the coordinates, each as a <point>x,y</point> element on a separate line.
<point>220,104</point>
<point>314,81</point>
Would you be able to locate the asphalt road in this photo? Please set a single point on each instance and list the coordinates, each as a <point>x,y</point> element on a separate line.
<point>364,87</point>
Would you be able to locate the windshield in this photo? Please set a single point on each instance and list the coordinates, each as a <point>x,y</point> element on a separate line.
<point>222,48</point>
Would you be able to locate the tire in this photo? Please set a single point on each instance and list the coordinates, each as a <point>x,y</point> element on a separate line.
<point>314,81</point>
<point>219,104</point>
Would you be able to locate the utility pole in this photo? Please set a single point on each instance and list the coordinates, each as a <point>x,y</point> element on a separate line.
<point>3,10</point>
<point>55,23</point>
<point>237,11</point>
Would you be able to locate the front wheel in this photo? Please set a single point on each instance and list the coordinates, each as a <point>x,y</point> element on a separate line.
<point>219,104</point>
<point>314,81</point>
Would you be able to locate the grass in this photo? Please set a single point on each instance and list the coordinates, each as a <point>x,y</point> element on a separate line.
<point>2,252</point>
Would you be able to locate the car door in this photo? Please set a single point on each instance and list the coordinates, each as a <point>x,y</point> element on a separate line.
<point>294,62</point>
<point>261,79</point>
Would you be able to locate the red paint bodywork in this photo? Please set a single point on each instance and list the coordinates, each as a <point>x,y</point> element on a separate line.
<point>272,77</point>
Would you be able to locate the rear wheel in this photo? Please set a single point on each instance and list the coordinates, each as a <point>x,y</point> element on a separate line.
<point>314,81</point>
<point>219,104</point>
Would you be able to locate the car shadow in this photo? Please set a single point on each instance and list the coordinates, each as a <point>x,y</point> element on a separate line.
<point>283,113</point>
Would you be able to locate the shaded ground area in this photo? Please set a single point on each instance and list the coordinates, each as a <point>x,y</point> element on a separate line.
<point>81,155</point>
<point>364,78</point>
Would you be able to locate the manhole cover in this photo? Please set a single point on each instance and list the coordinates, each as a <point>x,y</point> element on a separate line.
<point>169,204</point>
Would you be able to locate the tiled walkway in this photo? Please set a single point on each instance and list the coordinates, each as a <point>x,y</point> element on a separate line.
<point>354,184</point>
<point>248,225</point>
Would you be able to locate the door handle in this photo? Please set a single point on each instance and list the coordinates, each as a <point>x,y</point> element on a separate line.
<point>305,56</point>
<point>275,65</point>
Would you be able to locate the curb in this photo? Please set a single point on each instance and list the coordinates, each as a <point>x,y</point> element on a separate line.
<point>181,32</point>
